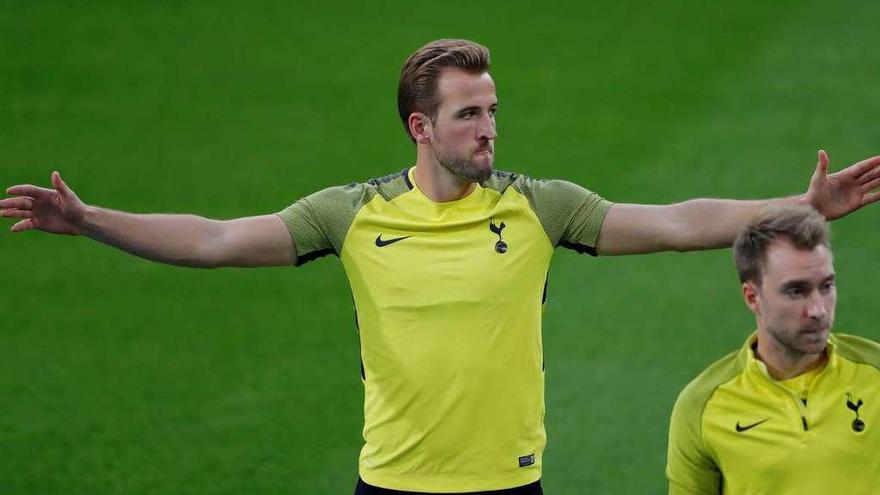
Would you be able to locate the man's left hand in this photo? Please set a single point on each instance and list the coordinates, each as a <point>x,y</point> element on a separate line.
<point>843,192</point>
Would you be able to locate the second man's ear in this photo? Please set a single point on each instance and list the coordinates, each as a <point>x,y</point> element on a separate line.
<point>420,127</point>
<point>750,296</point>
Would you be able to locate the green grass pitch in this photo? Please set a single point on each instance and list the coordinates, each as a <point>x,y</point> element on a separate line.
<point>118,375</point>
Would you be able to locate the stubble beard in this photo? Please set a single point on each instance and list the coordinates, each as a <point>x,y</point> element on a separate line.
<point>798,342</point>
<point>463,168</point>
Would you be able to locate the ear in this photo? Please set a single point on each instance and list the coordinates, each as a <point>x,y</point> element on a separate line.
<point>420,127</point>
<point>751,297</point>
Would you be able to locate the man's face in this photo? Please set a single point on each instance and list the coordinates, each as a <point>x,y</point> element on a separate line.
<point>795,302</point>
<point>463,130</point>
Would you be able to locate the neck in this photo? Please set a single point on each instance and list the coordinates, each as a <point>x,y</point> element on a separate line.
<point>782,363</point>
<point>437,183</point>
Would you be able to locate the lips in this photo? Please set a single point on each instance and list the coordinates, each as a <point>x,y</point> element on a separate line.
<point>815,329</point>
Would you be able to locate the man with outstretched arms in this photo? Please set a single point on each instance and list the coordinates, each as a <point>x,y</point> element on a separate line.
<point>447,262</point>
<point>796,409</point>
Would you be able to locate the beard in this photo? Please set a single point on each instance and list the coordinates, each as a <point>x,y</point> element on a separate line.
<point>464,168</point>
<point>811,339</point>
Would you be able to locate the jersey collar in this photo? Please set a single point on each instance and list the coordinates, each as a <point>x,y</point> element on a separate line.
<point>473,197</point>
<point>754,365</point>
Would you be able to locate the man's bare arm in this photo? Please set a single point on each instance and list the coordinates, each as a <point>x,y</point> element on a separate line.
<point>189,240</point>
<point>185,240</point>
<point>689,226</point>
<point>714,223</point>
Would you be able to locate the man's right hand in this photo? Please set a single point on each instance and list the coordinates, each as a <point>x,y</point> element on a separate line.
<point>185,240</point>
<point>57,210</point>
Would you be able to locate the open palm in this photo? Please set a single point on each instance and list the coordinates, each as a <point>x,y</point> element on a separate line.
<point>57,210</point>
<point>845,191</point>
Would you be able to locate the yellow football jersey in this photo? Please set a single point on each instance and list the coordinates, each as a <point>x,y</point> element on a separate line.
<point>735,430</point>
<point>448,298</point>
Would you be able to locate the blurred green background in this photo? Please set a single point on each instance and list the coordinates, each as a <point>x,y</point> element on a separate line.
<point>118,375</point>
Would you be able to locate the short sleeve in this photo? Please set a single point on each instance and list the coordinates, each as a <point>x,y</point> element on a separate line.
<point>319,222</point>
<point>570,214</point>
<point>689,467</point>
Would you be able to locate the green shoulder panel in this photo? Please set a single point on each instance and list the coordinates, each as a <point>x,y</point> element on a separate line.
<point>570,214</point>
<point>392,185</point>
<point>319,222</point>
<point>857,349</point>
<point>691,402</point>
<point>696,394</point>
<point>500,180</point>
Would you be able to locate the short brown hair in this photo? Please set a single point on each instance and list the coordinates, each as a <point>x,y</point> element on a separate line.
<point>802,226</point>
<point>417,90</point>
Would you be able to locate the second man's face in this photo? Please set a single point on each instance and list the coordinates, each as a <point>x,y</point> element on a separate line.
<point>797,297</point>
<point>464,128</point>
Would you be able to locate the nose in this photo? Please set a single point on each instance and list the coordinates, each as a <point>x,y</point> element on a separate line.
<point>486,128</point>
<point>815,309</point>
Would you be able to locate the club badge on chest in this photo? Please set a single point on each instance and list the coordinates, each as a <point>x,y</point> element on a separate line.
<point>500,246</point>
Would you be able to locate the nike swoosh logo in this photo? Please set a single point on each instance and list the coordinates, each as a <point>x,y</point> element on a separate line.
<point>741,429</point>
<point>384,242</point>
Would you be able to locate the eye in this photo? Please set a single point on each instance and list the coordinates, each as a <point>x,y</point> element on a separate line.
<point>493,111</point>
<point>827,286</point>
<point>468,114</point>
<point>794,292</point>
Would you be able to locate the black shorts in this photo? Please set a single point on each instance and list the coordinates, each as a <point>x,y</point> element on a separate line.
<point>530,489</point>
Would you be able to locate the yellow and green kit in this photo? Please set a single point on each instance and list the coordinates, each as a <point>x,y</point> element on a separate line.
<point>448,298</point>
<point>735,430</point>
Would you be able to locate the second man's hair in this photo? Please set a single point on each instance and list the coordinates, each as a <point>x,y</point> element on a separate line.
<point>802,226</point>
